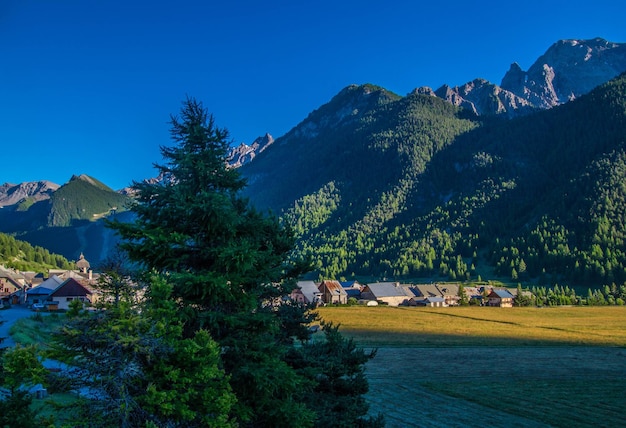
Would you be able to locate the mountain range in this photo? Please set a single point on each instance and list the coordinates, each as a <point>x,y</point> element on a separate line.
<point>524,180</point>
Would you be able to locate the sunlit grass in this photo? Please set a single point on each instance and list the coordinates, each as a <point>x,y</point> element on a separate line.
<point>476,326</point>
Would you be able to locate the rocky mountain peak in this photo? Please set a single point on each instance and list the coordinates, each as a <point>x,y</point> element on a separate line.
<point>243,153</point>
<point>11,194</point>
<point>567,70</point>
<point>482,97</point>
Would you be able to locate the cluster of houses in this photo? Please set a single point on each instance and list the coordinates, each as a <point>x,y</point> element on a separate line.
<point>330,292</point>
<point>54,292</point>
<point>63,286</point>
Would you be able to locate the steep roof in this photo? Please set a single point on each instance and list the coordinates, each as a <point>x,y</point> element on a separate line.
<point>333,287</point>
<point>46,287</point>
<point>71,287</point>
<point>435,299</point>
<point>351,284</point>
<point>309,290</point>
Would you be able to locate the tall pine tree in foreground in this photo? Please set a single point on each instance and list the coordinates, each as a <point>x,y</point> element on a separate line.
<point>229,269</point>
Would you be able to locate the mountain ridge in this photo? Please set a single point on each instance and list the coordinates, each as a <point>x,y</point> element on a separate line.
<point>370,171</point>
<point>392,193</point>
<point>568,69</point>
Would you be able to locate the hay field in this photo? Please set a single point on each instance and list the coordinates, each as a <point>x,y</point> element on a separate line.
<point>480,326</point>
<point>492,367</point>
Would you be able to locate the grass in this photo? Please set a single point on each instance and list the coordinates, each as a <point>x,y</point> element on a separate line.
<point>560,367</point>
<point>36,329</point>
<point>559,403</point>
<point>385,326</point>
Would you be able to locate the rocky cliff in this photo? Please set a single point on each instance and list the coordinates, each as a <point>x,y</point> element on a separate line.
<point>244,153</point>
<point>11,194</point>
<point>568,69</point>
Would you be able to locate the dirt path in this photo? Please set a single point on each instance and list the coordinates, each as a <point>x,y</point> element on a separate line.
<point>397,377</point>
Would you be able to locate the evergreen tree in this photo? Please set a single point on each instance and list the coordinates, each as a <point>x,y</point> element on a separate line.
<point>228,266</point>
<point>20,368</point>
<point>463,300</point>
<point>141,368</point>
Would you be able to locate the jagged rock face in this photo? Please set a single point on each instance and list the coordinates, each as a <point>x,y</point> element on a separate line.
<point>568,69</point>
<point>483,97</point>
<point>244,153</point>
<point>11,194</point>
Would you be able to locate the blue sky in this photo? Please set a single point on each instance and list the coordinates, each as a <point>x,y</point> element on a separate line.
<point>88,86</point>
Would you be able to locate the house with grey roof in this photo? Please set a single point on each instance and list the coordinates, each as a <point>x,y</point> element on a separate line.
<point>434,302</point>
<point>40,293</point>
<point>391,293</point>
<point>449,292</point>
<point>501,298</point>
<point>306,292</point>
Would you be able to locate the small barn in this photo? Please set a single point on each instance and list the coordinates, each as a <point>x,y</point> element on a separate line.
<point>307,292</point>
<point>501,298</point>
<point>333,293</point>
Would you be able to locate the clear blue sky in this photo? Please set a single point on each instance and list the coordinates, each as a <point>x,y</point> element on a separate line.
<point>88,86</point>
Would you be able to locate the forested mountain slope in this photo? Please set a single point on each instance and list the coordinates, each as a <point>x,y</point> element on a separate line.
<point>23,256</point>
<point>69,221</point>
<point>406,187</point>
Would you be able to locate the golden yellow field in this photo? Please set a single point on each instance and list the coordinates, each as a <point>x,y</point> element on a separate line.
<point>475,326</point>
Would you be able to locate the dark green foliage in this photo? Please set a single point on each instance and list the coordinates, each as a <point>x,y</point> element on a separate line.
<point>334,367</point>
<point>15,411</point>
<point>419,188</point>
<point>23,256</point>
<point>229,268</point>
<point>140,366</point>
<point>81,199</point>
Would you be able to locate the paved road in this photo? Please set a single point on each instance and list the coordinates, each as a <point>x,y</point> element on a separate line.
<point>9,316</point>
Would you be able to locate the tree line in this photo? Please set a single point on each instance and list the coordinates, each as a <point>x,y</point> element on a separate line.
<point>21,255</point>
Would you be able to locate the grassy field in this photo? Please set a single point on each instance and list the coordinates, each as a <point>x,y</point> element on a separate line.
<point>480,326</point>
<point>492,367</point>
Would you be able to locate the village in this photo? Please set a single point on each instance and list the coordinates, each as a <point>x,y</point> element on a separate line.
<point>331,292</point>
<point>55,291</point>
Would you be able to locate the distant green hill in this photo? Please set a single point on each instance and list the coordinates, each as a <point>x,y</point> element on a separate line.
<point>413,187</point>
<point>70,222</point>
<point>83,198</point>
